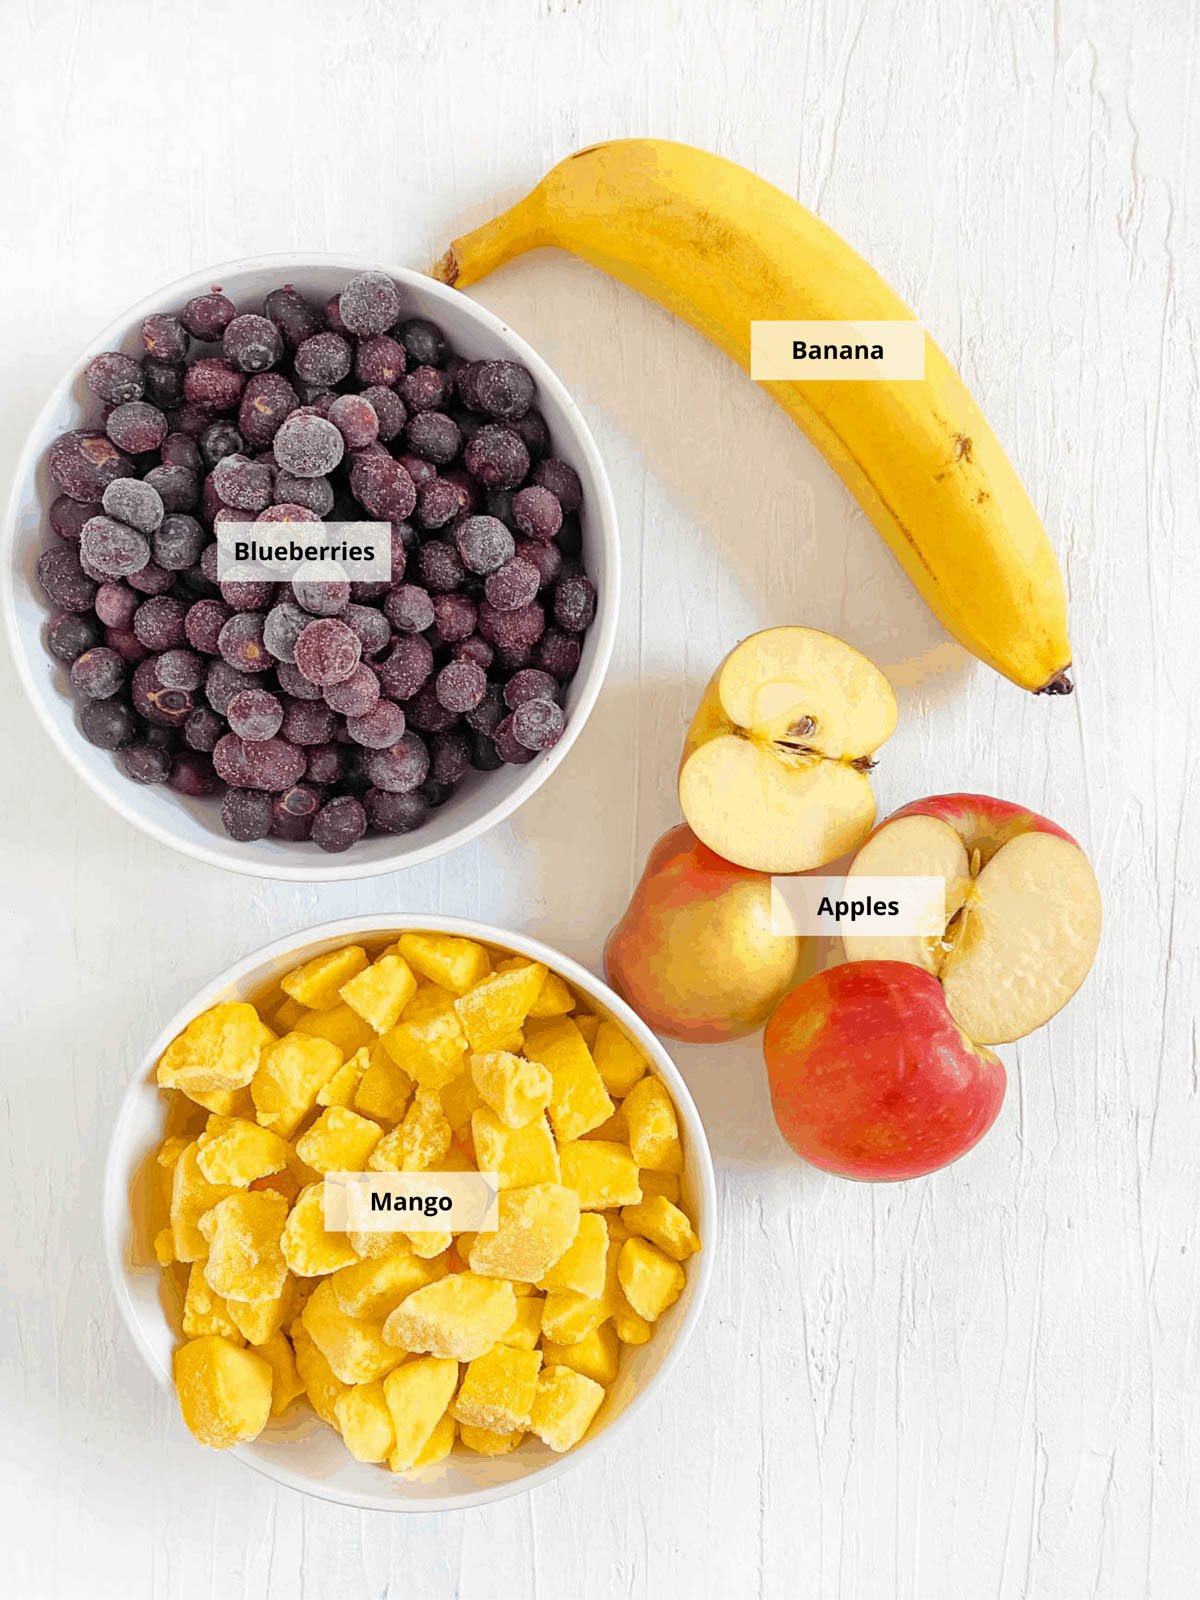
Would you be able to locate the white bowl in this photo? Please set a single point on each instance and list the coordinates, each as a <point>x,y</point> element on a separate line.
<point>306,1454</point>
<point>194,826</point>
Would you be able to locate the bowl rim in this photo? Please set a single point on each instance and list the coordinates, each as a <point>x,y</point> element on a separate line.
<point>341,867</point>
<point>115,1197</point>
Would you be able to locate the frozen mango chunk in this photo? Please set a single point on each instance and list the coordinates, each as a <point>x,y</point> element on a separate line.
<point>460,1100</point>
<point>428,1041</point>
<point>514,1089</point>
<point>493,1011</point>
<point>651,1281</point>
<point>374,1288</point>
<point>526,1327</point>
<point>365,1421</point>
<point>287,1016</point>
<point>338,1141</point>
<point>628,1326</point>
<point>458,1317</point>
<point>603,1174</point>
<point>581,1268</point>
<point>578,1099</point>
<point>417,1394</point>
<point>420,1141</point>
<point>568,1317</point>
<point>618,1060</point>
<point>245,1256</point>
<point>536,1227</point>
<point>164,1247</point>
<point>597,1356</point>
<point>518,1156</point>
<point>498,1389</point>
<point>286,1382</point>
<point>380,992</point>
<point>588,1026</point>
<point>321,1383</point>
<point>615,1128</point>
<point>343,1086</point>
<point>664,1224</point>
<point>191,1196</point>
<point>353,1346</point>
<point>427,1243</point>
<point>664,1183</point>
<point>308,1249</point>
<point>341,1026</point>
<point>439,1444</point>
<point>235,1151</point>
<point>218,1050</point>
<point>224,1102</point>
<point>486,1443</point>
<point>258,1320</point>
<point>564,1406</point>
<point>385,1089</point>
<point>554,998</point>
<point>289,1076</point>
<point>316,983</point>
<point>653,1127</point>
<point>450,962</point>
<point>224,1390</point>
<point>205,1311</point>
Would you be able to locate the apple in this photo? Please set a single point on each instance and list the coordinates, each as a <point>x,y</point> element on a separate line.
<point>774,768</point>
<point>1023,909</point>
<point>871,1077</point>
<point>694,954</point>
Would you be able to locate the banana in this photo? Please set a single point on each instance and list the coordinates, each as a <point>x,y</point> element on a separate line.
<point>720,247</point>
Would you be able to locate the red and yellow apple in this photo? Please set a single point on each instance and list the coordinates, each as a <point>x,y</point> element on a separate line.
<point>774,768</point>
<point>694,954</point>
<point>871,1077</point>
<point>1023,909</point>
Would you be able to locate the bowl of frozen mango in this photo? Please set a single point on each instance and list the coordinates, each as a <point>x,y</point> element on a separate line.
<point>413,1369</point>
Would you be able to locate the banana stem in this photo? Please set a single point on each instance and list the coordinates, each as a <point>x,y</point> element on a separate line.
<point>473,255</point>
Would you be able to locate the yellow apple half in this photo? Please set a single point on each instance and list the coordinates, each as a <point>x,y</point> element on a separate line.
<point>1023,910</point>
<point>774,769</point>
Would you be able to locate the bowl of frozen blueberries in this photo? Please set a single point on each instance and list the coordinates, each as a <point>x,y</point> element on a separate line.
<point>318,725</point>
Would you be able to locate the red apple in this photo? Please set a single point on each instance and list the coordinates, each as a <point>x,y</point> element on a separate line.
<point>871,1077</point>
<point>1023,909</point>
<point>694,954</point>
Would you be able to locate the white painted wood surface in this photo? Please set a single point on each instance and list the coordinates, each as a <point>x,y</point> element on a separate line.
<point>984,1384</point>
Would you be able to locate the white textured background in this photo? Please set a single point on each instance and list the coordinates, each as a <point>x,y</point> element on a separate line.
<point>983,1384</point>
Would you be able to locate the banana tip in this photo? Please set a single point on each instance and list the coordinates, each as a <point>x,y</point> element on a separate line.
<point>1060,683</point>
<point>445,269</point>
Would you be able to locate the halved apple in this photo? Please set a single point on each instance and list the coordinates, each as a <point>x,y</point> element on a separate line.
<point>774,769</point>
<point>1023,909</point>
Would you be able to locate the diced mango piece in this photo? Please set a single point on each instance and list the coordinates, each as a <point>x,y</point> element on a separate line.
<point>618,1060</point>
<point>458,1317</point>
<point>338,1141</point>
<point>286,1382</point>
<point>486,1443</point>
<point>581,1268</point>
<point>205,1311</point>
<point>224,1102</point>
<point>374,1288</point>
<point>417,1396</point>
<point>494,1010</point>
<point>460,1099</point>
<point>664,1224</point>
<point>568,1317</point>
<point>427,1243</point>
<point>321,1383</point>
<point>369,1246</point>
<point>526,1327</point>
<point>498,1389</point>
<point>439,1444</point>
<point>191,1196</point>
<point>353,1346</point>
<point>365,1421</point>
<point>420,1141</point>
<point>380,992</point>
<point>536,1226</point>
<point>664,1183</point>
<point>289,1076</point>
<point>588,1027</point>
<point>516,1090</point>
<point>554,998</point>
<point>307,1248</point>
<point>164,1247</point>
<point>343,1086</point>
<point>597,1356</point>
<point>578,1100</point>
<point>385,1088</point>
<point>615,1128</point>
<point>518,1156</point>
<point>317,982</point>
<point>224,1390</point>
<point>603,1175</point>
<point>452,963</point>
<point>629,1327</point>
<point>653,1127</point>
<point>428,1041</point>
<point>563,1407</point>
<point>235,1151</point>
<point>341,1026</point>
<point>218,1050</point>
<point>245,1258</point>
<point>650,1280</point>
<point>258,1320</point>
<point>287,1016</point>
